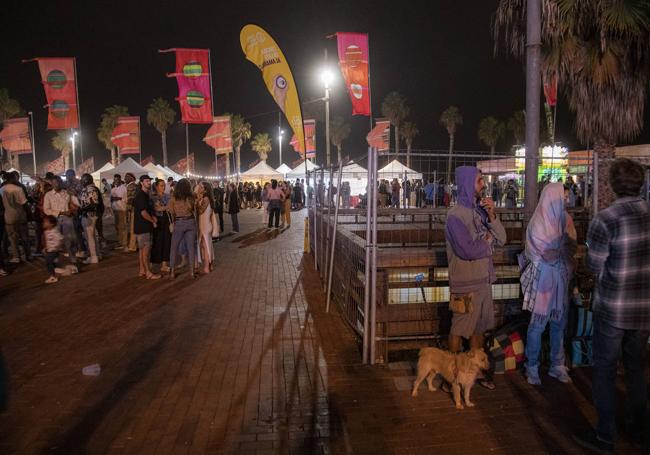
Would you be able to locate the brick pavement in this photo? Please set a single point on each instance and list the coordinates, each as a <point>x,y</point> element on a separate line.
<point>243,360</point>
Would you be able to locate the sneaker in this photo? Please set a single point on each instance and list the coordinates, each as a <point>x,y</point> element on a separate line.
<point>73,269</point>
<point>153,276</point>
<point>81,254</point>
<point>3,272</point>
<point>591,441</point>
<point>561,373</point>
<point>532,376</point>
<point>59,270</point>
<point>14,261</point>
<point>91,260</point>
<point>51,280</point>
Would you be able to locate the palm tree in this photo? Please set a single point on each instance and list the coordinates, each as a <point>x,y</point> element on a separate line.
<point>161,115</point>
<point>241,132</point>
<point>9,108</point>
<point>395,109</point>
<point>106,127</point>
<point>408,132</point>
<point>600,51</point>
<point>261,144</point>
<point>339,131</point>
<point>61,142</point>
<point>451,119</point>
<point>517,125</point>
<point>490,130</point>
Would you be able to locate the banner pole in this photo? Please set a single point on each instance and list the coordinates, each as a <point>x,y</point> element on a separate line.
<point>140,139</point>
<point>76,86</point>
<point>369,90</point>
<point>187,150</point>
<point>31,121</point>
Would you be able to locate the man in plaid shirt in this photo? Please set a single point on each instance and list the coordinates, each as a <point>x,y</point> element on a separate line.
<point>619,256</point>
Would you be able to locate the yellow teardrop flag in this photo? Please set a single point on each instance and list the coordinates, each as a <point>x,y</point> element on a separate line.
<point>263,51</point>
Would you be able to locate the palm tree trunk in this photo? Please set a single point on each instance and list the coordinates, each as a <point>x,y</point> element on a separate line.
<point>113,157</point>
<point>396,141</point>
<point>238,160</point>
<point>66,160</point>
<point>338,151</point>
<point>606,156</point>
<point>15,157</point>
<point>492,147</point>
<point>408,154</point>
<point>451,151</point>
<point>227,163</point>
<point>164,146</point>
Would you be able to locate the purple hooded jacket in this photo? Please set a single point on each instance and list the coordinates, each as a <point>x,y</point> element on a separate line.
<point>469,254</point>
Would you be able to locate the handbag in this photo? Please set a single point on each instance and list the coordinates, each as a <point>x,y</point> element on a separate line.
<point>461,303</point>
<point>171,222</point>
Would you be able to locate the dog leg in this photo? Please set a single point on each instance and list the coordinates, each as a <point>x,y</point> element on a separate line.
<point>421,375</point>
<point>456,389</point>
<point>466,390</point>
<point>430,378</point>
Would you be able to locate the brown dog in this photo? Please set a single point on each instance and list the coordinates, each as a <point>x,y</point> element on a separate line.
<point>460,370</point>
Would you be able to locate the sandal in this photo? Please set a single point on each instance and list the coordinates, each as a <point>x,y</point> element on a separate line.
<point>486,383</point>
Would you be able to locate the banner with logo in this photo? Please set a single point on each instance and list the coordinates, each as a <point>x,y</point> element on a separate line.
<point>310,140</point>
<point>59,79</point>
<point>353,60</point>
<point>219,135</point>
<point>57,166</point>
<point>15,137</point>
<point>87,167</point>
<point>263,52</point>
<point>126,135</point>
<point>378,136</point>
<point>181,166</point>
<point>193,78</point>
<point>550,88</point>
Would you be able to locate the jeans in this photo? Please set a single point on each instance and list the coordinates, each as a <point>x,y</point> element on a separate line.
<point>184,233</point>
<point>608,344</point>
<point>18,235</point>
<point>274,214</point>
<point>67,228</point>
<point>120,227</point>
<point>50,261</point>
<point>534,340</point>
<point>89,223</point>
<point>235,222</point>
<point>220,215</point>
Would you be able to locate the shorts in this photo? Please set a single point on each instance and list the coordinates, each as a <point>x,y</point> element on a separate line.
<point>480,320</point>
<point>143,240</point>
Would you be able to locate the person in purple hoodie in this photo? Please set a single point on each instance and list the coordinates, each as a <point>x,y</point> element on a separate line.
<point>472,232</point>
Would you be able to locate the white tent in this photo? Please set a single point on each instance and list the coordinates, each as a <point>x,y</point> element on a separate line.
<point>169,173</point>
<point>155,171</point>
<point>107,167</point>
<point>396,170</point>
<point>261,171</point>
<point>284,169</point>
<point>298,172</point>
<point>128,165</point>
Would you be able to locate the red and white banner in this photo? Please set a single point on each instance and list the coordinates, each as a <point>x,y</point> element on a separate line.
<point>353,60</point>
<point>147,160</point>
<point>219,135</point>
<point>379,135</point>
<point>56,167</point>
<point>15,137</point>
<point>126,135</point>
<point>310,139</point>
<point>194,90</point>
<point>87,167</point>
<point>181,166</point>
<point>550,88</point>
<point>59,80</point>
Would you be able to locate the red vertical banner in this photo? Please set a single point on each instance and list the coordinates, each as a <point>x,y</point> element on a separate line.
<point>310,140</point>
<point>126,135</point>
<point>353,60</point>
<point>58,77</point>
<point>15,137</point>
<point>194,88</point>
<point>378,136</point>
<point>550,88</point>
<point>219,135</point>
<point>182,165</point>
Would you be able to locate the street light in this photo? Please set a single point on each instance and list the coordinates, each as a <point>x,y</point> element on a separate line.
<point>74,158</point>
<point>280,135</point>
<point>327,76</point>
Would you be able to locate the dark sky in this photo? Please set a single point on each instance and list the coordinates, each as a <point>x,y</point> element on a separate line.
<point>435,53</point>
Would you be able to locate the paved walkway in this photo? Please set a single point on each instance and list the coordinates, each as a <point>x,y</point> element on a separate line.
<point>243,360</point>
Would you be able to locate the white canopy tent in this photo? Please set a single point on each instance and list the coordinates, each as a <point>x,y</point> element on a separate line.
<point>169,173</point>
<point>298,172</point>
<point>396,170</point>
<point>284,170</point>
<point>97,174</point>
<point>128,165</point>
<point>261,172</point>
<point>155,171</point>
<point>354,174</point>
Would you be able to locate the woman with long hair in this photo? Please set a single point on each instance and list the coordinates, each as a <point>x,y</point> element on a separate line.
<point>182,209</point>
<point>162,237</point>
<point>204,204</point>
<point>550,246</point>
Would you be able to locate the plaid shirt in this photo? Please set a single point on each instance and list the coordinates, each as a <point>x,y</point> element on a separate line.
<point>619,256</point>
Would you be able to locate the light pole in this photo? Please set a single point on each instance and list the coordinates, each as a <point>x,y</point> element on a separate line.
<point>326,77</point>
<point>280,136</point>
<point>31,122</point>
<point>74,158</point>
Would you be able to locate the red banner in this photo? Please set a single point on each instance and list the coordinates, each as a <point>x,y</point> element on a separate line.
<point>56,167</point>
<point>87,167</point>
<point>181,165</point>
<point>353,60</point>
<point>59,80</point>
<point>219,136</point>
<point>194,90</point>
<point>310,140</point>
<point>15,136</point>
<point>550,89</point>
<point>378,136</point>
<point>147,160</point>
<point>126,135</point>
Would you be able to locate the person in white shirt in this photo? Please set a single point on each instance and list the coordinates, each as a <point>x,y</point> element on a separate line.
<point>14,200</point>
<point>118,204</point>
<point>62,205</point>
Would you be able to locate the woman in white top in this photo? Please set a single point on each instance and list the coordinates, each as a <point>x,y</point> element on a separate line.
<point>204,205</point>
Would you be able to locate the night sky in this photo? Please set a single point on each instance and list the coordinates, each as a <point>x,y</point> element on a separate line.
<point>435,53</point>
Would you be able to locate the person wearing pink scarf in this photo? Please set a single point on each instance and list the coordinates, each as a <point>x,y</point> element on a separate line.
<point>550,245</point>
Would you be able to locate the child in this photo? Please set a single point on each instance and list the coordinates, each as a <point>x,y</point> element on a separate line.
<point>52,241</point>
